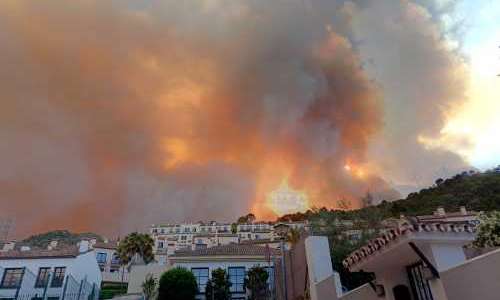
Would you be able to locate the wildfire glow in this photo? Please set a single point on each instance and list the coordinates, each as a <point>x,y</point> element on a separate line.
<point>286,200</point>
<point>354,170</point>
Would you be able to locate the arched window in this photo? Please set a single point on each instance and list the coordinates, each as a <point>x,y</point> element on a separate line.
<point>401,292</point>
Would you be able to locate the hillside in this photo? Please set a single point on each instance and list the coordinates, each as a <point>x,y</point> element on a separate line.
<point>474,190</point>
<point>62,236</point>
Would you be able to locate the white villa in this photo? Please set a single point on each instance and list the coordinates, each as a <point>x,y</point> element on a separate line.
<point>54,273</point>
<point>191,236</point>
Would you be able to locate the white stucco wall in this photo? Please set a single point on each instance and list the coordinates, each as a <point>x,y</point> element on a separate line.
<point>82,267</point>
<point>477,279</point>
<point>447,256</point>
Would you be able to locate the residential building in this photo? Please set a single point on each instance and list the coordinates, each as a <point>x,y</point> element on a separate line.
<point>109,262</point>
<point>442,216</point>
<point>190,236</point>
<point>424,261</point>
<point>65,272</point>
<point>236,259</point>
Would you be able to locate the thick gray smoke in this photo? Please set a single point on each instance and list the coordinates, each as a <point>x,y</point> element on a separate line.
<point>118,114</point>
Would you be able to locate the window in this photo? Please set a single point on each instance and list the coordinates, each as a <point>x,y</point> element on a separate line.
<point>237,278</point>
<point>270,278</point>
<point>58,278</point>
<point>115,260</point>
<point>183,237</point>
<point>201,275</point>
<point>160,245</point>
<point>12,278</point>
<point>101,257</point>
<point>43,277</point>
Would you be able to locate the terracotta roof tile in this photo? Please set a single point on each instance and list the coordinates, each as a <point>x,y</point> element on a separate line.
<point>228,250</point>
<point>393,235</point>
<point>71,251</point>
<point>108,245</point>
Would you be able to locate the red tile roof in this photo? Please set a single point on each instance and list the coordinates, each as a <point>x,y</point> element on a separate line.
<point>228,250</point>
<point>108,245</point>
<point>71,251</point>
<point>393,235</point>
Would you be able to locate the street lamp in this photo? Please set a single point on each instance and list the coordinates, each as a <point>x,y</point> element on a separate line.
<point>281,230</point>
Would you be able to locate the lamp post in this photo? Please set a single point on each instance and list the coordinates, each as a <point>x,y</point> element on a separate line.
<point>282,231</point>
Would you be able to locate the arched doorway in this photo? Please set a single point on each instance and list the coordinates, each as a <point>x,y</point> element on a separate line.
<point>401,292</point>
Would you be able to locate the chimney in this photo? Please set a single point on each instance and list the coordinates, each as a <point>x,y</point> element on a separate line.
<point>83,246</point>
<point>9,246</point>
<point>25,248</point>
<point>441,212</point>
<point>52,245</point>
<point>463,210</point>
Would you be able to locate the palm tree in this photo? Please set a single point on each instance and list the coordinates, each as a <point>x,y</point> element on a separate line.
<point>149,287</point>
<point>134,248</point>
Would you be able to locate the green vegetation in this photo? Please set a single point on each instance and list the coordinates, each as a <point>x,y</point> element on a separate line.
<point>249,218</point>
<point>256,283</point>
<point>218,287</point>
<point>177,284</point>
<point>488,233</point>
<point>149,287</point>
<point>63,237</point>
<point>110,290</point>
<point>476,191</point>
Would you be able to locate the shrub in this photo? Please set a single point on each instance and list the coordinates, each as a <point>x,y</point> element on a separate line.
<point>177,284</point>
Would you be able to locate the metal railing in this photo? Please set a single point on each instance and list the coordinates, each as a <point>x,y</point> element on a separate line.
<point>71,289</point>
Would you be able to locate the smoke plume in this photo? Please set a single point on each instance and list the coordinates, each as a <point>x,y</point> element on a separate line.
<point>117,114</point>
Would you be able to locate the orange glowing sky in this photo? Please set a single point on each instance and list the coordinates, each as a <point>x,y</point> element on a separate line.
<point>163,110</point>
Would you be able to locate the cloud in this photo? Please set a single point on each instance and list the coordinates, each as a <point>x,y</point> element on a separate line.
<point>118,114</point>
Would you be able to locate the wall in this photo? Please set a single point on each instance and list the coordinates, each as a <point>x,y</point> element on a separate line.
<point>364,292</point>
<point>139,273</point>
<point>224,264</point>
<point>478,278</point>
<point>82,267</point>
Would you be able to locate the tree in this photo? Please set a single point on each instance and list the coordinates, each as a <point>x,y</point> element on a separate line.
<point>488,231</point>
<point>344,204</point>
<point>293,236</point>
<point>218,286</point>
<point>249,218</point>
<point>234,228</point>
<point>134,247</point>
<point>256,283</point>
<point>367,200</point>
<point>177,284</point>
<point>149,288</point>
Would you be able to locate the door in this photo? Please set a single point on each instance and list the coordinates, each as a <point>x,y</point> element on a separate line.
<point>419,284</point>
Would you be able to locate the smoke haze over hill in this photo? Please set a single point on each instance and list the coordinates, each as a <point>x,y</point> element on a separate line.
<point>117,114</point>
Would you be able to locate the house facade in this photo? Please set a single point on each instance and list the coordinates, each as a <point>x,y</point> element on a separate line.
<point>55,273</point>
<point>109,262</point>
<point>190,236</point>
<point>236,259</point>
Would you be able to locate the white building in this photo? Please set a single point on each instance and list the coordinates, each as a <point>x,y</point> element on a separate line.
<point>109,262</point>
<point>236,259</point>
<point>55,273</point>
<point>190,236</point>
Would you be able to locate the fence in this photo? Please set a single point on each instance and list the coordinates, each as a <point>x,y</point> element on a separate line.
<point>71,289</point>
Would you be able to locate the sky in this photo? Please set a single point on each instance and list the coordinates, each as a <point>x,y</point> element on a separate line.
<point>477,120</point>
<point>119,114</point>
